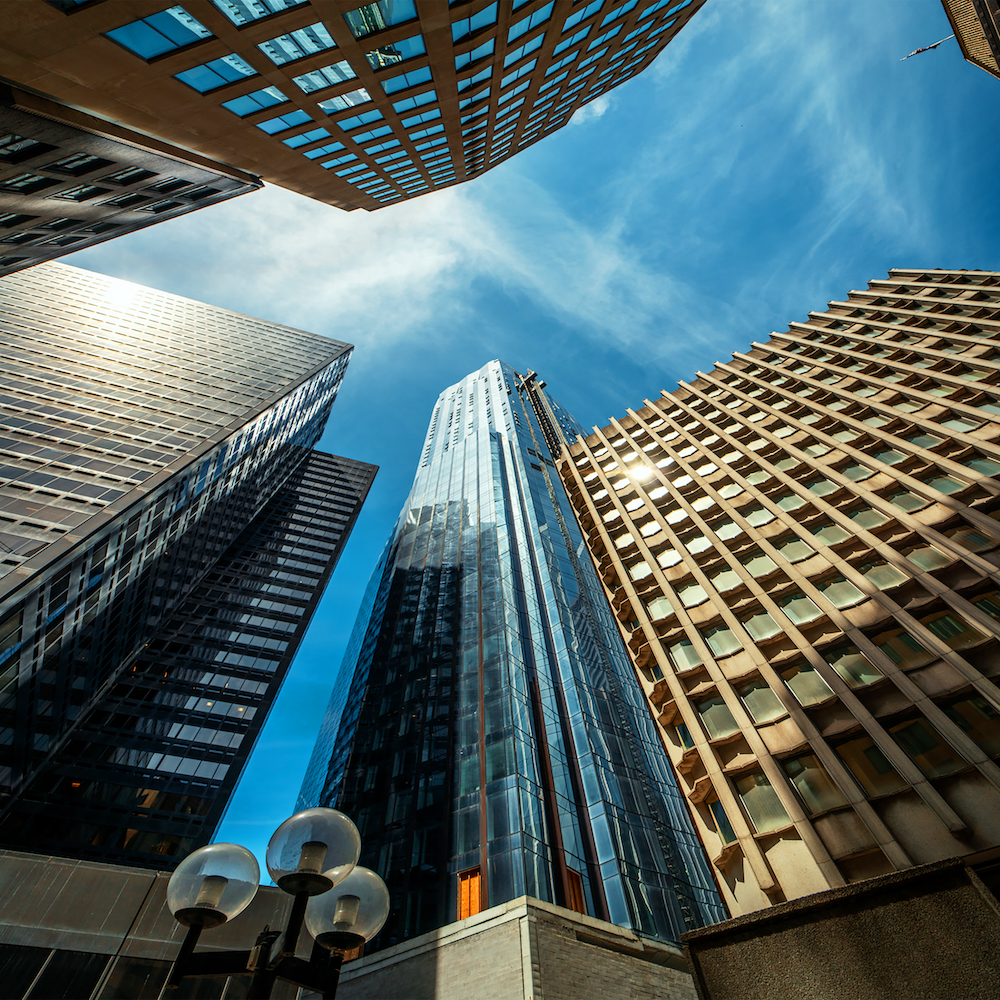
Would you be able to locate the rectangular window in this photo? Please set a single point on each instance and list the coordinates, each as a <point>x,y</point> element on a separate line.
<point>480,52</point>
<point>396,52</point>
<point>298,44</point>
<point>722,641</point>
<point>274,125</point>
<point>975,716</point>
<point>325,76</point>
<point>344,101</point>
<point>217,73</point>
<point>470,25</point>
<point>903,649</point>
<point>956,632</point>
<point>806,684</point>
<point>576,899</point>
<point>869,766</point>
<point>813,784</point>
<point>920,740</point>
<point>525,25</point>
<point>469,893</point>
<point>725,829</point>
<point>404,81</point>
<point>259,100</point>
<point>375,17</point>
<point>167,31</point>
<point>247,11</point>
<point>761,802</point>
<point>716,718</point>
<point>760,701</point>
<point>855,668</point>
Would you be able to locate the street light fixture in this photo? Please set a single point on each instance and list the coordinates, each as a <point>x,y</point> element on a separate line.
<point>310,854</point>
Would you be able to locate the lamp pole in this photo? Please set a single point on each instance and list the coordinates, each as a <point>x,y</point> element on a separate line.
<point>309,856</point>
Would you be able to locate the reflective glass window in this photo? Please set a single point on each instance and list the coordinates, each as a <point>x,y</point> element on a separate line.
<point>326,76</point>
<point>716,718</point>
<point>870,767</point>
<point>853,666</point>
<point>247,11</point>
<point>525,25</point>
<point>470,25</point>
<point>166,31</point>
<point>683,655</point>
<point>902,648</point>
<point>298,44</point>
<point>814,786</point>
<point>955,631</point>
<point>806,684</point>
<point>761,701</point>
<point>760,625</point>
<point>216,73</point>
<point>920,741</point>
<point>413,78</point>
<point>979,720</point>
<point>248,104</point>
<point>761,802</point>
<point>722,640</point>
<point>374,17</point>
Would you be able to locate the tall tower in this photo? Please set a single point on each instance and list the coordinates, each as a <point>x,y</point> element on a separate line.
<point>165,532</point>
<point>801,548</point>
<point>357,105</point>
<point>485,731</point>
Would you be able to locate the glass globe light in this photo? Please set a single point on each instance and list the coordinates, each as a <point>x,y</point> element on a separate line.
<point>213,885</point>
<point>313,850</point>
<point>351,913</point>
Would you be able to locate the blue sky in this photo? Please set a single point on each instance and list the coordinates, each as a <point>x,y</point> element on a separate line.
<point>776,155</point>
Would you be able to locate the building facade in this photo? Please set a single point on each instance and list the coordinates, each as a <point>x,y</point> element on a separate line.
<point>355,105</point>
<point>976,24</point>
<point>801,549</point>
<point>166,530</point>
<point>69,179</point>
<point>486,733</point>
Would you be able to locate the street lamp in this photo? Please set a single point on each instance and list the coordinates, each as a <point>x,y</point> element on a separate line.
<point>310,854</point>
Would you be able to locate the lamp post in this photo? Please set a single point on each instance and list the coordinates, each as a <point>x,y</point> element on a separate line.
<point>313,856</point>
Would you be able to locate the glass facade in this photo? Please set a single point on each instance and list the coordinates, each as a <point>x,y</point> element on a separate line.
<point>485,731</point>
<point>159,475</point>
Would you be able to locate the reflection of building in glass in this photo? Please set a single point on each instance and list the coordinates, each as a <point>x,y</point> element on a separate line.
<point>69,180</point>
<point>166,531</point>
<point>358,108</point>
<point>486,732</point>
<point>802,549</point>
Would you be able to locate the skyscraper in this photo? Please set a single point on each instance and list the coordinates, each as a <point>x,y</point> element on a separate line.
<point>801,548</point>
<point>357,105</point>
<point>976,24</point>
<point>166,533</point>
<point>69,179</point>
<point>485,731</point>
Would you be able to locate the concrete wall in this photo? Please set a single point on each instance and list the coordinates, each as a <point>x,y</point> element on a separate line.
<point>522,950</point>
<point>930,933</point>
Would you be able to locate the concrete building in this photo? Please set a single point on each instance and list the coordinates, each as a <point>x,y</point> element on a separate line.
<point>976,24</point>
<point>801,549</point>
<point>69,179</point>
<point>485,731</point>
<point>166,531</point>
<point>355,105</point>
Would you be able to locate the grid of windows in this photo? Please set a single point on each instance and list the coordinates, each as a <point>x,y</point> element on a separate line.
<point>803,543</point>
<point>385,55</point>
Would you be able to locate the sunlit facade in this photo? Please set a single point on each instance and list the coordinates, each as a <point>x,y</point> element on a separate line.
<point>801,548</point>
<point>158,552</point>
<point>485,731</point>
<point>357,105</point>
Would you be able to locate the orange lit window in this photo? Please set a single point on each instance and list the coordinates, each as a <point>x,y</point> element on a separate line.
<point>575,901</point>
<point>470,900</point>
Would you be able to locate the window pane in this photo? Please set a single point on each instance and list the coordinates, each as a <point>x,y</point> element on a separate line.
<point>795,550</point>
<point>979,720</point>
<point>800,608</point>
<point>761,625</point>
<point>761,702</point>
<point>868,518</point>
<point>972,539</point>
<point>683,656</point>
<point>722,641</point>
<point>815,788</point>
<point>853,666</point>
<point>659,607</point>
<point>692,594</point>
<point>377,16</point>
<point>903,649</point>
<point>883,576</point>
<point>761,802</point>
<point>806,684</point>
<point>831,534</point>
<point>759,564</point>
<point>931,754</point>
<point>869,766</point>
<point>955,631</point>
<point>927,557</point>
<point>716,718</point>
<point>840,593</point>
<point>722,824</point>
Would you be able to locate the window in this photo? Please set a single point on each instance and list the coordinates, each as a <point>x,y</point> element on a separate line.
<point>246,11</point>
<point>249,104</point>
<point>274,125</point>
<point>840,593</point>
<point>167,31</point>
<point>325,76</point>
<point>344,101</point>
<point>217,73</point>
<point>760,625</point>
<point>480,52</point>
<point>415,102</point>
<point>304,138</point>
<point>984,466</point>
<point>396,52</point>
<point>470,900</point>
<point>926,557</point>
<point>882,575</point>
<point>794,549</point>
<point>574,19</point>
<point>15,148</point>
<point>470,25</point>
<point>692,594</point>
<point>683,656</point>
<point>852,666</point>
<point>82,193</point>
<point>972,539</point>
<point>758,515</point>
<point>722,824</point>
<point>761,802</point>
<point>919,740</point>
<point>525,25</point>
<point>867,517</point>
<point>979,720</point>
<point>414,78</point>
<point>726,579</point>
<point>760,701</point>
<point>27,183</point>
<point>79,164</point>
<point>813,784</point>
<point>905,500</point>
<point>943,484</point>
<point>298,44</point>
<point>659,607</point>
<point>721,640</point>
<point>799,608</point>
<point>869,766</point>
<point>374,17</point>
<point>716,718</point>
<point>806,684</point>
<point>954,631</point>
<point>640,570</point>
<point>902,648</point>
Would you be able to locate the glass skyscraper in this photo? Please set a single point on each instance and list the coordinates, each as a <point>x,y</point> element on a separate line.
<point>486,731</point>
<point>166,530</point>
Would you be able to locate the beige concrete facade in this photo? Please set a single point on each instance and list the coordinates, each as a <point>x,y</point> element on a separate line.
<point>522,950</point>
<point>355,105</point>
<point>801,548</point>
